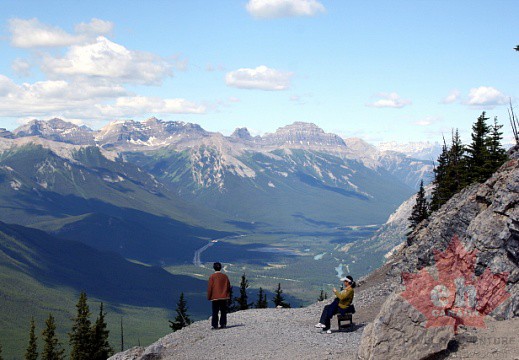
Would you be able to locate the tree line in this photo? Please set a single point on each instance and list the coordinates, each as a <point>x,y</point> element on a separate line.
<point>460,165</point>
<point>87,340</point>
<point>237,303</point>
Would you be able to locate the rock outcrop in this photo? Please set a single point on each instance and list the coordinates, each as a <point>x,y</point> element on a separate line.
<point>485,219</point>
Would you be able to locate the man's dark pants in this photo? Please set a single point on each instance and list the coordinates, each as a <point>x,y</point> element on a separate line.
<point>219,306</point>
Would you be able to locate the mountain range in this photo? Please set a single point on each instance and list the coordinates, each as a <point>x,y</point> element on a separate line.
<point>152,193</point>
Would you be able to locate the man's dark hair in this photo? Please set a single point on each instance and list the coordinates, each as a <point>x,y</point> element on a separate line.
<point>217,266</point>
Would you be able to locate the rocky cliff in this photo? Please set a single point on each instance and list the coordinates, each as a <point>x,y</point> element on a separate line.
<point>458,270</point>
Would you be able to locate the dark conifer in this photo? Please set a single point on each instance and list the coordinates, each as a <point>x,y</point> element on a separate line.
<point>497,152</point>
<point>231,304</point>
<point>101,349</point>
<point>32,350</point>
<point>1,358</point>
<point>52,349</point>
<point>262,300</point>
<point>278,299</point>
<point>81,335</point>
<point>182,319</point>
<point>420,210</point>
<point>478,153</point>
<point>440,193</point>
<point>242,299</point>
<point>322,296</point>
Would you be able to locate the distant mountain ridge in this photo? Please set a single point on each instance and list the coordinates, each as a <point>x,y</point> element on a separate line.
<point>154,134</point>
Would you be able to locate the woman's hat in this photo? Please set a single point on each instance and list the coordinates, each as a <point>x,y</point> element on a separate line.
<point>348,279</point>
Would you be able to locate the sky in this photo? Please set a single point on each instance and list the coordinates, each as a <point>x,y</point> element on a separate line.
<point>380,70</point>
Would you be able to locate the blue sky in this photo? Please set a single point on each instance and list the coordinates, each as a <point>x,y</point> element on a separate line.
<point>380,70</point>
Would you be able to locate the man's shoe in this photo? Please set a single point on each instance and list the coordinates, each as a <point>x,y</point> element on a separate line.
<point>214,328</point>
<point>319,325</point>
<point>223,326</point>
<point>328,331</point>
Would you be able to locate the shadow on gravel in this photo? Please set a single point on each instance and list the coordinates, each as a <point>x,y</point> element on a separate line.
<point>349,329</point>
<point>232,326</point>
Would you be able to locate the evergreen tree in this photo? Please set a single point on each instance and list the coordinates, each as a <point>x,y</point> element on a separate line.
<point>439,194</point>
<point>497,153</point>
<point>478,153</point>
<point>81,335</point>
<point>1,358</point>
<point>231,304</point>
<point>101,349</point>
<point>242,299</point>
<point>420,210</point>
<point>322,296</point>
<point>278,299</point>
<point>262,300</point>
<point>52,349</point>
<point>182,319</point>
<point>457,166</point>
<point>32,350</point>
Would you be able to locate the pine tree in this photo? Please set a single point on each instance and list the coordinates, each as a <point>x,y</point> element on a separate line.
<point>242,299</point>
<point>81,335</point>
<point>101,349</point>
<point>440,194</point>
<point>322,296</point>
<point>457,166</point>
<point>32,350</point>
<point>478,153</point>
<point>231,304</point>
<point>420,210</point>
<point>182,319</point>
<point>497,154</point>
<point>262,300</point>
<point>52,349</point>
<point>278,299</point>
<point>1,358</point>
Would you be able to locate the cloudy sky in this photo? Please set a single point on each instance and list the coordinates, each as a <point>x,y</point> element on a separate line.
<point>381,70</point>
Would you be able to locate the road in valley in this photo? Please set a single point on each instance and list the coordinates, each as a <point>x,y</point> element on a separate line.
<point>197,257</point>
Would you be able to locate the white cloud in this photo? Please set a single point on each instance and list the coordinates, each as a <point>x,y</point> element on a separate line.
<point>95,27</point>
<point>106,59</point>
<point>486,96</point>
<point>390,100</point>
<point>427,121</point>
<point>269,9</point>
<point>261,78</point>
<point>52,96</point>
<point>452,97</point>
<point>21,67</point>
<point>142,104</point>
<point>32,33</point>
<point>83,100</point>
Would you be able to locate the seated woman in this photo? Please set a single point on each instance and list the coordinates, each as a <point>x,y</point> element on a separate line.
<point>342,303</point>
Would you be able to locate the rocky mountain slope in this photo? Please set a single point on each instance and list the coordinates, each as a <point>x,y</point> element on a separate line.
<point>463,259</point>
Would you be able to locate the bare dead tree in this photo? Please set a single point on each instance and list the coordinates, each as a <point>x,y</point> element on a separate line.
<point>514,122</point>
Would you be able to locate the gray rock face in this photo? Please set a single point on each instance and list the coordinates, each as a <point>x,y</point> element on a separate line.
<point>485,218</point>
<point>300,133</point>
<point>57,130</point>
<point>150,133</point>
<point>399,332</point>
<point>6,134</point>
<point>242,133</point>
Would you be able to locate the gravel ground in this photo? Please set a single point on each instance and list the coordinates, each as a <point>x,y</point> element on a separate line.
<point>271,333</point>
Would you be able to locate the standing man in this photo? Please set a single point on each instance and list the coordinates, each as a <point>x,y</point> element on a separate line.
<point>218,292</point>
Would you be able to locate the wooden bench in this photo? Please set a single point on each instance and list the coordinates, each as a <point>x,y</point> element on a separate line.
<point>342,321</point>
